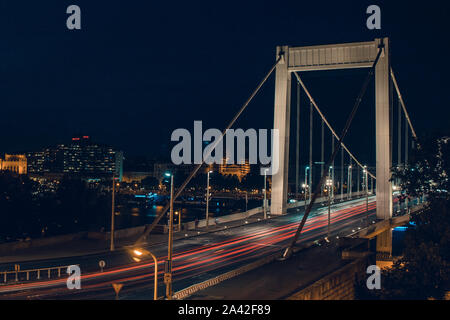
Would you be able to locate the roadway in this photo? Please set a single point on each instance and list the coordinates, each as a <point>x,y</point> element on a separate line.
<point>195,259</point>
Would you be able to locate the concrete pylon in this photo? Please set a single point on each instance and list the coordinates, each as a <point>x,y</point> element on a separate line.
<point>383,133</point>
<point>281,122</point>
<point>334,57</point>
<point>384,249</point>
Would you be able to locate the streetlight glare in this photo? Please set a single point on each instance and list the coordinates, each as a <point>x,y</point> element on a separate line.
<point>138,252</point>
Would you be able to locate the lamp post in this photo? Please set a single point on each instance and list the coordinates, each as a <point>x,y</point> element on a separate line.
<point>178,214</point>
<point>265,194</point>
<point>137,254</point>
<point>168,274</point>
<point>306,183</point>
<point>207,198</point>
<point>331,177</point>
<point>304,186</point>
<point>246,202</point>
<point>349,181</point>
<point>329,185</point>
<point>111,237</point>
<point>366,185</point>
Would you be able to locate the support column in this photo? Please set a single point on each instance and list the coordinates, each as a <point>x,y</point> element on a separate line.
<point>384,249</point>
<point>383,134</point>
<point>281,123</point>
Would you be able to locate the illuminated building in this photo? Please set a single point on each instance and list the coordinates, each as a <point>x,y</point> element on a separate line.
<point>14,163</point>
<point>79,157</point>
<point>135,176</point>
<point>239,170</point>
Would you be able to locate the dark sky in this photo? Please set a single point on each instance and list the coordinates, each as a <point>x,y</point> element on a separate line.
<point>139,69</point>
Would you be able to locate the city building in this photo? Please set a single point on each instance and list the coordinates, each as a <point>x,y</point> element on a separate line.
<point>14,163</point>
<point>135,176</point>
<point>80,157</point>
<point>239,170</point>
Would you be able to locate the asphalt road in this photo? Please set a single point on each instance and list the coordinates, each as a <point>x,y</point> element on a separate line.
<point>195,259</point>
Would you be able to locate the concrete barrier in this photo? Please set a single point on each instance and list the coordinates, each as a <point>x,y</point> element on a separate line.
<point>191,225</point>
<point>339,285</point>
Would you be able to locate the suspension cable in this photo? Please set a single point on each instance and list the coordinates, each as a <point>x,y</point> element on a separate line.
<point>403,105</point>
<point>313,102</point>
<point>288,252</point>
<point>208,153</point>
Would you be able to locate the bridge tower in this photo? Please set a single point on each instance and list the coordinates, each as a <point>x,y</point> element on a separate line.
<point>332,57</point>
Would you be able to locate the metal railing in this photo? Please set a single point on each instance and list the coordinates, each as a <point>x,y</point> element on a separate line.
<point>30,274</point>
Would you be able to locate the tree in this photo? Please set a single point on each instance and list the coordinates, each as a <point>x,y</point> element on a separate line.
<point>424,270</point>
<point>18,212</point>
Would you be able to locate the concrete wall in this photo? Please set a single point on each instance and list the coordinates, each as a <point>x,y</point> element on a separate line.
<point>339,285</point>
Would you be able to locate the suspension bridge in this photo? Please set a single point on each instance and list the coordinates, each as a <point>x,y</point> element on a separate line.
<point>345,177</point>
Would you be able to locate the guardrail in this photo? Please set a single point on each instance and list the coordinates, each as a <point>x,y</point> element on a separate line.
<point>31,274</point>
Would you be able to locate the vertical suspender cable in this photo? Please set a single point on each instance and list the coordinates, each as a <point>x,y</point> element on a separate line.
<point>413,132</point>
<point>406,146</point>
<point>332,171</point>
<point>311,118</point>
<point>311,99</point>
<point>342,174</point>
<point>297,151</point>
<point>322,151</point>
<point>399,129</point>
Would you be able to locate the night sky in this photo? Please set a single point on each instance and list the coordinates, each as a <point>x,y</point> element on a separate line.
<point>139,69</point>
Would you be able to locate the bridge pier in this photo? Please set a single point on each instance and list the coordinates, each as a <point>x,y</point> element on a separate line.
<point>384,249</point>
<point>383,133</point>
<point>282,113</point>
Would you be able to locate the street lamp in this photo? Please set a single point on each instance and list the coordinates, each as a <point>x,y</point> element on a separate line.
<point>246,201</point>
<point>331,175</point>
<point>207,198</point>
<point>140,253</point>
<point>111,237</point>
<point>329,185</point>
<point>366,182</point>
<point>304,186</point>
<point>168,274</point>
<point>178,214</point>
<point>349,181</point>
<point>265,193</point>
<point>306,182</point>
